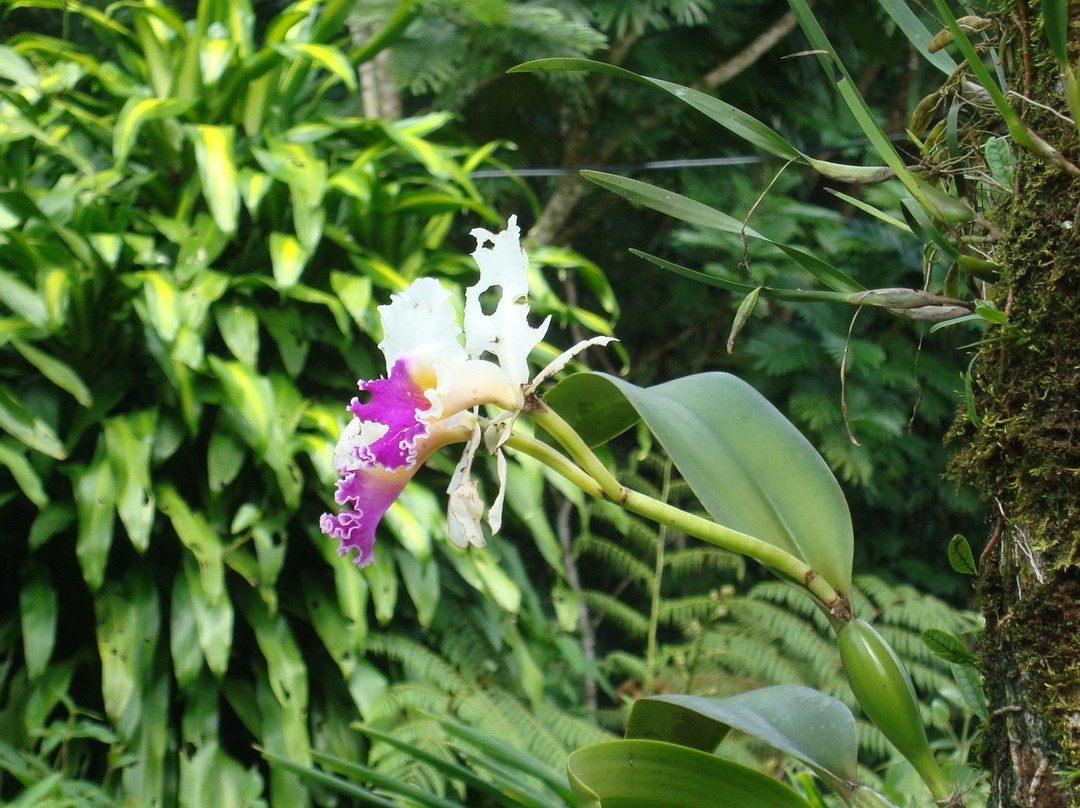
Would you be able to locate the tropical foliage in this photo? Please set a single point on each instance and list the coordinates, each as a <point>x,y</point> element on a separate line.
<point>196,223</point>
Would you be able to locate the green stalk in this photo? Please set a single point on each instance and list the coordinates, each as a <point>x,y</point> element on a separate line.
<point>590,474</point>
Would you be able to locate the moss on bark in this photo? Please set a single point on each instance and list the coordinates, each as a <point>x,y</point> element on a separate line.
<point>1024,458</point>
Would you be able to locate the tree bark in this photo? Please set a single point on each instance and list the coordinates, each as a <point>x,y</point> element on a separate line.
<point>1023,453</point>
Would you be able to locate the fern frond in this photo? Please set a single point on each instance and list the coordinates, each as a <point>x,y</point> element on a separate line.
<point>617,558</point>
<point>420,663</point>
<point>683,611</point>
<point>698,558</point>
<point>626,617</point>
<point>405,698</point>
<point>622,662</point>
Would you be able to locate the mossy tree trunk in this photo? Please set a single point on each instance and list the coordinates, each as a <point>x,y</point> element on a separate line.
<point>1023,454</point>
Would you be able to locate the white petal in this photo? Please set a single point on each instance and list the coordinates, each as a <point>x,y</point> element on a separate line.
<point>505,333</point>
<point>420,322</point>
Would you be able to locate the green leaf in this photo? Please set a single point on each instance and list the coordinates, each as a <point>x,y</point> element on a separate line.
<point>38,615</point>
<point>23,300</point>
<point>215,156</point>
<point>969,682</point>
<point>12,455</point>
<point>328,57</point>
<point>199,537</point>
<point>421,579</point>
<point>382,582</point>
<point>508,754</point>
<point>17,421</point>
<point>225,457</point>
<point>135,113</point>
<point>960,556</point>
<point>213,617</point>
<point>1056,23</point>
<point>162,304</point>
<point>651,774</point>
<point>768,292</point>
<point>16,69</point>
<point>804,723</point>
<point>934,200</point>
<point>239,327</point>
<point>288,259</point>
<point>948,647</point>
<point>738,122</point>
<point>251,396</point>
<point>128,627</point>
<point>184,646</point>
<point>917,34</point>
<point>751,469</point>
<point>688,210</point>
<point>586,401</point>
<point>129,442</point>
<point>95,499</point>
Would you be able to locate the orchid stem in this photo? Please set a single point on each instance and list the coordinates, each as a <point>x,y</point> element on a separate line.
<point>594,478</point>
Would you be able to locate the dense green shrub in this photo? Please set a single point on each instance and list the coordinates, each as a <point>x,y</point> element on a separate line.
<point>195,227</point>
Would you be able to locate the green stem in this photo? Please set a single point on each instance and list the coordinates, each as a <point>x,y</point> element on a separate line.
<point>663,514</point>
<point>570,440</point>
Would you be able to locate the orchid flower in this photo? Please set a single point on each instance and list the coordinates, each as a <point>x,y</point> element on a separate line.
<point>438,375</point>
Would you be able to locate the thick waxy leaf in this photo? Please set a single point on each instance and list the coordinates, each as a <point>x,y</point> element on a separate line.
<point>651,774</point>
<point>806,724</point>
<point>751,469</point>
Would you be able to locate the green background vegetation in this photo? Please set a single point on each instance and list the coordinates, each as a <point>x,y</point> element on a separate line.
<point>197,220</point>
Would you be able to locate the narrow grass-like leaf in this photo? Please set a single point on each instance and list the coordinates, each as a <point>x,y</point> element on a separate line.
<point>918,34</point>
<point>933,199</point>
<point>508,754</point>
<point>1056,23</point>
<point>768,292</point>
<point>331,781</point>
<point>689,210</point>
